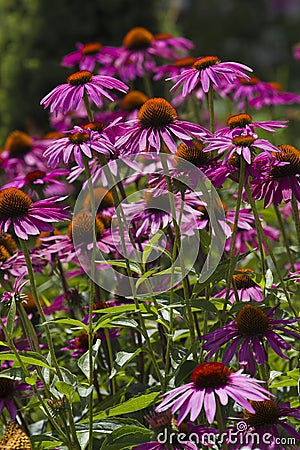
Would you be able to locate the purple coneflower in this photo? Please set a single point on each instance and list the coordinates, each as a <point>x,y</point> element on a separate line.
<point>246,288</point>
<point>184,436</point>
<point>88,55</point>
<point>280,176</point>
<point>40,182</point>
<point>157,121</point>
<point>249,334</point>
<point>175,68</point>
<point>296,51</point>
<point>68,96</point>
<point>210,380</point>
<point>274,96</point>
<point>208,71</point>
<point>78,142</point>
<point>153,213</point>
<point>244,90</point>
<point>8,390</point>
<point>247,232</point>
<point>21,153</point>
<point>136,56</point>
<point>130,104</point>
<point>28,218</point>
<point>244,145</point>
<point>165,45</point>
<point>243,124</point>
<point>269,425</point>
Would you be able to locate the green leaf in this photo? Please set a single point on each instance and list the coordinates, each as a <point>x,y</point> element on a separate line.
<point>126,437</point>
<point>184,372</point>
<point>283,381</point>
<point>83,439</point>
<point>151,245</point>
<point>145,275</point>
<point>31,380</point>
<point>106,426</point>
<point>84,360</point>
<point>65,388</point>
<point>116,309</point>
<point>45,441</point>
<point>69,322</point>
<point>109,322</point>
<point>34,358</point>
<point>122,359</point>
<point>118,263</point>
<point>84,394</point>
<point>204,304</point>
<point>131,405</point>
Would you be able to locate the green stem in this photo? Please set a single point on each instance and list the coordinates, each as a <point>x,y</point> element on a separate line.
<point>177,244</point>
<point>120,219</point>
<point>266,242</point>
<point>110,360</point>
<point>221,425</point>
<point>48,334</point>
<point>148,85</point>
<point>39,307</point>
<point>284,236</point>
<point>235,228</point>
<point>88,108</point>
<point>36,391</point>
<point>210,104</point>
<point>91,300</point>
<point>296,217</point>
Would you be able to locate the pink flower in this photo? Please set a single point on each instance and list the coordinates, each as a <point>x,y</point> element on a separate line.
<point>244,89</point>
<point>167,46</point>
<point>246,288</point>
<point>267,423</point>
<point>157,120</point>
<point>244,145</point>
<point>279,176</point>
<point>209,380</point>
<point>78,142</point>
<point>28,218</point>
<point>243,124</point>
<point>207,71</point>
<point>68,96</point>
<point>88,55</point>
<point>136,56</point>
<point>249,334</point>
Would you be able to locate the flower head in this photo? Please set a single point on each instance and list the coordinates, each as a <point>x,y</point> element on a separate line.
<point>249,334</point>
<point>157,120</point>
<point>8,390</point>
<point>136,57</point>
<point>242,123</point>
<point>165,45</point>
<point>88,55</point>
<point>245,89</point>
<point>26,217</point>
<point>78,142</point>
<point>68,96</point>
<point>210,380</point>
<point>269,423</point>
<point>247,289</point>
<point>279,176</point>
<point>208,71</point>
<point>244,145</point>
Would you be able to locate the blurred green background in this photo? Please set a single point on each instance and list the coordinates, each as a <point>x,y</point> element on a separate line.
<point>36,34</point>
